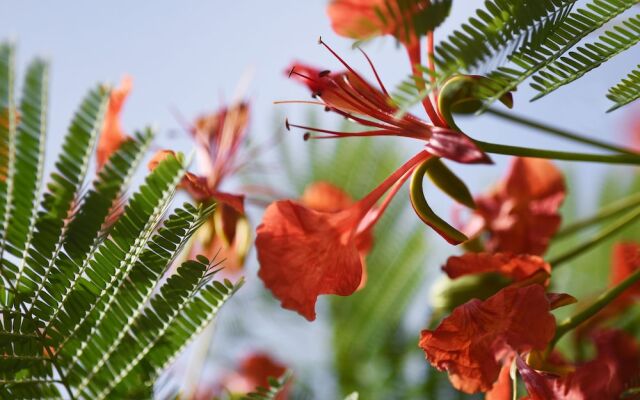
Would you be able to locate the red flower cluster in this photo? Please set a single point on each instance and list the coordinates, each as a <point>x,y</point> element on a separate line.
<point>305,252</point>
<point>482,341</point>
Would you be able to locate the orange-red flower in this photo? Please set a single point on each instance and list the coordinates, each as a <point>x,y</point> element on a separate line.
<point>254,371</point>
<point>480,337</point>
<point>363,19</point>
<point>112,135</point>
<point>325,197</point>
<point>516,267</point>
<point>615,368</point>
<point>521,215</point>
<point>219,137</point>
<point>304,253</point>
<point>348,94</point>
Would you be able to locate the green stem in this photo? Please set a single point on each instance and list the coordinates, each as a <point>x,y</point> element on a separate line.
<point>604,234</point>
<point>606,212</point>
<point>600,303</point>
<point>558,155</point>
<point>559,132</point>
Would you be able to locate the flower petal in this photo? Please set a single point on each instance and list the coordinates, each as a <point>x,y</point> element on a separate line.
<point>616,367</point>
<point>501,390</point>
<point>522,214</point>
<point>626,260</point>
<point>478,336</point>
<point>538,387</point>
<point>304,253</point>
<point>325,197</point>
<point>112,135</point>
<point>514,266</point>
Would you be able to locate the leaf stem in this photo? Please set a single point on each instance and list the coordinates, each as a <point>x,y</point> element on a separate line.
<point>559,132</point>
<point>602,301</point>
<point>606,212</point>
<point>495,148</point>
<point>604,234</point>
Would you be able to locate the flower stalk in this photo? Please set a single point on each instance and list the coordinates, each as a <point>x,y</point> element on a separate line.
<point>604,234</point>
<point>558,132</point>
<point>601,302</point>
<point>508,150</point>
<point>611,210</point>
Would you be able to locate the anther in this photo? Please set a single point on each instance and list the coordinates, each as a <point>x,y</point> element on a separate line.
<point>306,136</point>
<point>286,124</point>
<point>324,73</point>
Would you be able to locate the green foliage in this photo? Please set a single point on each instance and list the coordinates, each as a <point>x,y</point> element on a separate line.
<point>585,58</point>
<point>512,40</point>
<point>502,25</point>
<point>85,309</point>
<point>626,91</point>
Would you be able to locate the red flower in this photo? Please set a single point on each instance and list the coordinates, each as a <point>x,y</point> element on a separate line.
<point>304,253</point>
<point>254,371</point>
<point>363,19</point>
<point>219,137</point>
<point>615,369</point>
<point>348,94</point>
<point>516,267</point>
<point>479,337</point>
<point>112,135</point>
<point>521,215</point>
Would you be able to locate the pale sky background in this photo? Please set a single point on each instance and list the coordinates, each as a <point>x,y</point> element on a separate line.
<point>190,56</point>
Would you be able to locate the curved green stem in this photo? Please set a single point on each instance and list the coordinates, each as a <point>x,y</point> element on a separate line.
<point>558,155</point>
<point>559,132</point>
<point>426,214</point>
<point>606,212</point>
<point>601,302</point>
<point>604,234</point>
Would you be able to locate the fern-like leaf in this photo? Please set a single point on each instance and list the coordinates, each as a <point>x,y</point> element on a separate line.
<point>137,289</point>
<point>85,232</point>
<point>89,301</point>
<point>66,181</point>
<point>7,152</point>
<point>626,91</point>
<point>568,34</point>
<point>83,299</point>
<point>170,301</point>
<point>585,58</point>
<point>500,26</point>
<point>29,160</point>
<point>196,316</point>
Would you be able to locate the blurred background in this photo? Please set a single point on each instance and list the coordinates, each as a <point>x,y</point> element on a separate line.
<point>191,57</point>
